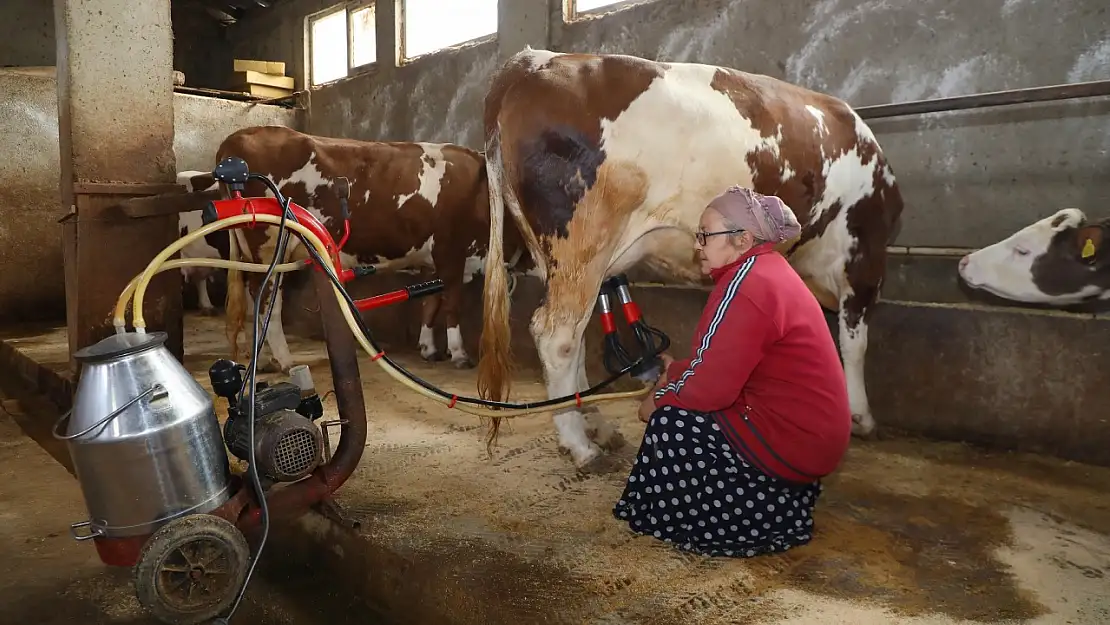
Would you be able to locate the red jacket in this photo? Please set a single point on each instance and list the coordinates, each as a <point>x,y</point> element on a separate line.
<point>764,365</point>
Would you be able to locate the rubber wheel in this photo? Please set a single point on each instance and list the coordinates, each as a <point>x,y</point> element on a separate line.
<point>190,570</point>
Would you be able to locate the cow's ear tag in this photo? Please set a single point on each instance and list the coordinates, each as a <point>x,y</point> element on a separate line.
<point>1088,249</point>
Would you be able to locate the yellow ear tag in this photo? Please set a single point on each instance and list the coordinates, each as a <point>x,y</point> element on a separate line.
<point>1088,249</point>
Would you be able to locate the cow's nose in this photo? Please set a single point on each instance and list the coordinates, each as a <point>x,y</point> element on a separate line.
<point>964,261</point>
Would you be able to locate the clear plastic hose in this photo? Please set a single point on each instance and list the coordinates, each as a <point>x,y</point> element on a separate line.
<point>155,266</point>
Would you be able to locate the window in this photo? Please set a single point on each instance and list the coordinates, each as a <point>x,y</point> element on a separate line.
<point>364,40</point>
<point>431,25</point>
<point>339,40</point>
<point>583,6</point>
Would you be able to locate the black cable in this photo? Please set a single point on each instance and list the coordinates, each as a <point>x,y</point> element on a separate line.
<point>444,394</point>
<point>283,238</point>
<point>315,254</point>
<point>251,381</point>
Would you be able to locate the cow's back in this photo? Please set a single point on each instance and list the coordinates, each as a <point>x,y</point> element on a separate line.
<point>400,193</point>
<point>693,129</point>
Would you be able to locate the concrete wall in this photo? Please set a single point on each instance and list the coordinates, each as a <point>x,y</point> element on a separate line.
<point>945,371</point>
<point>969,178</point>
<point>26,32</point>
<point>200,47</point>
<point>32,285</point>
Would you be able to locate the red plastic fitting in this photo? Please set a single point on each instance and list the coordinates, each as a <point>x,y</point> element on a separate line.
<point>608,323</point>
<point>270,206</point>
<point>385,299</point>
<point>632,312</point>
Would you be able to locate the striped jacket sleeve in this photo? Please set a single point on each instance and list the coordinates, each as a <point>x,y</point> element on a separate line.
<point>735,339</point>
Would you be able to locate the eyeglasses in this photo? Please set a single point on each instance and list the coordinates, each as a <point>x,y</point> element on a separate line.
<point>701,235</point>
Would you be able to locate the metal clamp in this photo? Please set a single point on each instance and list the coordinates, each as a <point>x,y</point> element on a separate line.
<point>154,389</point>
<point>324,425</point>
<point>94,532</point>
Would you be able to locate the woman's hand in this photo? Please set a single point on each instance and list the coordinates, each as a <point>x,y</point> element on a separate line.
<point>660,382</point>
<point>647,406</point>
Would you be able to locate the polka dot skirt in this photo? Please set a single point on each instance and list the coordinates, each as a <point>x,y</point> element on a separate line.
<point>689,488</point>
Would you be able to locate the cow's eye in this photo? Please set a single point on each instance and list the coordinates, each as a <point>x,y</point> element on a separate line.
<point>1021,251</point>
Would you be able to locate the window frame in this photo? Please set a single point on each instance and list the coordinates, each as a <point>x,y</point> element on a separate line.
<point>403,37</point>
<point>352,8</point>
<point>348,8</point>
<point>572,14</point>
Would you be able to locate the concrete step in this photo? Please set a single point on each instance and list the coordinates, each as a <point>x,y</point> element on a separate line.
<point>1003,376</point>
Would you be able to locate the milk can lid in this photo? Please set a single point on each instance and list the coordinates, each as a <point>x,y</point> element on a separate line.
<point>118,345</point>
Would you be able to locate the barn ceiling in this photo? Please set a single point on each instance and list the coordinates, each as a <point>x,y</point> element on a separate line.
<point>230,11</point>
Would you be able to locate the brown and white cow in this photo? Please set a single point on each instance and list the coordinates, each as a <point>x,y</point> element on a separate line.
<point>607,160</point>
<point>214,245</point>
<point>412,206</point>
<point>1061,260</point>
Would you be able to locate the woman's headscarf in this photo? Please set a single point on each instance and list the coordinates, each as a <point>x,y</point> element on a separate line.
<point>765,216</point>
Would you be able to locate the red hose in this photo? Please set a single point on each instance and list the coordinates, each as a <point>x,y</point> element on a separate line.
<point>270,206</point>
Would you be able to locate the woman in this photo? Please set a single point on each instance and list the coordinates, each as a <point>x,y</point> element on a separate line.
<point>740,433</point>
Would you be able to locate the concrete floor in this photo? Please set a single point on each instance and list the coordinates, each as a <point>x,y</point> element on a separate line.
<point>909,532</point>
<point>47,577</point>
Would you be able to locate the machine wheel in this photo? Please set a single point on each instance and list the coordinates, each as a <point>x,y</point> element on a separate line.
<point>190,570</point>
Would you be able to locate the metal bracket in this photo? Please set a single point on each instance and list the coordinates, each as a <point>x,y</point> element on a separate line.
<point>324,425</point>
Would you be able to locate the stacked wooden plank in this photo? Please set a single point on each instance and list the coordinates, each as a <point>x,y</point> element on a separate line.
<point>266,79</point>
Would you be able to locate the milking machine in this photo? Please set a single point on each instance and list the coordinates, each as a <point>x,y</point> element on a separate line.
<point>149,452</point>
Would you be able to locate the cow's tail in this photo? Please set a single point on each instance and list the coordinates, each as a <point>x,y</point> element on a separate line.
<point>235,303</point>
<point>494,351</point>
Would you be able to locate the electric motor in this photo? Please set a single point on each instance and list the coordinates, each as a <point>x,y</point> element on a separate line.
<point>287,446</point>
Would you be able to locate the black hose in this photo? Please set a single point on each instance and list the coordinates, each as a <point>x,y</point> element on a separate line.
<point>250,382</point>
<point>283,238</point>
<point>451,396</point>
<point>315,254</point>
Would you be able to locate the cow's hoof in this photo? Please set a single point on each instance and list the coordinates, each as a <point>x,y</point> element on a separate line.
<point>463,363</point>
<point>274,366</point>
<point>602,464</point>
<point>603,432</point>
<point>429,356</point>
<point>614,441</point>
<point>585,457</point>
<point>863,426</point>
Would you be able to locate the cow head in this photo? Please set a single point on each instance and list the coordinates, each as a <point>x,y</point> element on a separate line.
<point>1059,260</point>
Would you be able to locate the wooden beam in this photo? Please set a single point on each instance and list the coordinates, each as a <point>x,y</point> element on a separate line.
<point>167,203</point>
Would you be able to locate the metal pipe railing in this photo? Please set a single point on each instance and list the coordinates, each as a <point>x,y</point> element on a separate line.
<point>913,250</point>
<point>1050,93</point>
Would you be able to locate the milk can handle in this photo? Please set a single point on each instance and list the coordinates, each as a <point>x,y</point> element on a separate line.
<point>155,388</point>
<point>93,531</point>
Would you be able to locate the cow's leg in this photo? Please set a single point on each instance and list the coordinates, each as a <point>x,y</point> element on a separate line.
<point>558,327</point>
<point>853,318</point>
<point>843,269</point>
<point>428,310</point>
<point>206,307</point>
<point>280,359</point>
<point>598,428</point>
<point>862,278</point>
<point>452,302</point>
